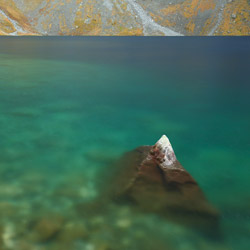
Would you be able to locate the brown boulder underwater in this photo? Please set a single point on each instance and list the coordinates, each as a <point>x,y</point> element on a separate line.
<point>152,180</point>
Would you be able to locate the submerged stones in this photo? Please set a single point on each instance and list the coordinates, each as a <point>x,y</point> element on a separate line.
<point>47,227</point>
<point>153,180</point>
<point>73,231</point>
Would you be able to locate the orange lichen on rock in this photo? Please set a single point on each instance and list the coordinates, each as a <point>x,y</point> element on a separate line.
<point>190,27</point>
<point>130,32</point>
<point>44,10</point>
<point>236,19</point>
<point>165,22</point>
<point>13,14</point>
<point>189,11</point>
<point>63,26</point>
<point>206,5</point>
<point>193,7</point>
<point>171,9</point>
<point>6,26</point>
<point>116,25</point>
<point>209,24</point>
<point>156,18</point>
<point>31,5</point>
<point>87,22</point>
<point>190,8</point>
<point>119,27</point>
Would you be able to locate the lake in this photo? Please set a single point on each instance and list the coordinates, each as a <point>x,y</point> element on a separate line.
<point>71,106</point>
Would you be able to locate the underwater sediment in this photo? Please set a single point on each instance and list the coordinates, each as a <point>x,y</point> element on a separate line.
<point>144,183</point>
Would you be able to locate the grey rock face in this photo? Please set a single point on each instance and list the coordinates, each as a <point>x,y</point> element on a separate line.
<point>124,17</point>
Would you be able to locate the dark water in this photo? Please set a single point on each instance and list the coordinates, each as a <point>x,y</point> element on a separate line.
<point>70,106</point>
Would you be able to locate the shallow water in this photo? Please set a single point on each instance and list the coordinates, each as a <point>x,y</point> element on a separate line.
<point>69,107</point>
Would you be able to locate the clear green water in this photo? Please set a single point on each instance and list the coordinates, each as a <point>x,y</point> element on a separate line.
<point>70,106</point>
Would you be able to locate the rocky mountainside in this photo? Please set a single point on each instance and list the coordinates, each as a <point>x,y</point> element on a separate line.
<point>125,17</point>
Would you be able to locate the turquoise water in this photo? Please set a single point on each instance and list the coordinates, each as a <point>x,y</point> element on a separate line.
<point>69,107</point>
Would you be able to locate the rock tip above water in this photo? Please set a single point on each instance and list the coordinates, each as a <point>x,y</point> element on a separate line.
<point>153,180</point>
<point>162,152</point>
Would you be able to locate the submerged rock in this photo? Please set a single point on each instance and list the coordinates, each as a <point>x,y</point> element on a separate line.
<point>72,231</point>
<point>46,228</point>
<point>153,180</point>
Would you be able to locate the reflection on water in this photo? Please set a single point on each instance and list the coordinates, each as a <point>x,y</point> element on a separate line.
<point>70,107</point>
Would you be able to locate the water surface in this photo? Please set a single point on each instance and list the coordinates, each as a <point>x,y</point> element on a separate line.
<point>69,107</point>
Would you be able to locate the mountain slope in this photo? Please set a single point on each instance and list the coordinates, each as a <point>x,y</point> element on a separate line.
<point>125,17</point>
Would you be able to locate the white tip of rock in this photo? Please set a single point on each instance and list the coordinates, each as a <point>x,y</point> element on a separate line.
<point>163,142</point>
<point>163,152</point>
